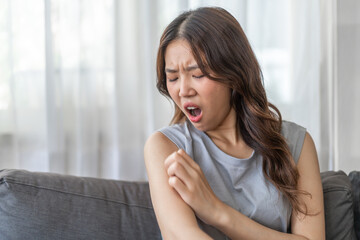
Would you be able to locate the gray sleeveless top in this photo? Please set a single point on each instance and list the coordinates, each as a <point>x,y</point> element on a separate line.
<point>239,183</point>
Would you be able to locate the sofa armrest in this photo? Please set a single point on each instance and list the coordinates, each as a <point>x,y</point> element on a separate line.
<point>338,204</point>
<point>355,183</point>
<point>37,205</point>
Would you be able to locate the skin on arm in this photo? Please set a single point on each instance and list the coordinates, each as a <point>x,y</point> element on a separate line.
<point>312,227</point>
<point>238,226</point>
<point>175,218</point>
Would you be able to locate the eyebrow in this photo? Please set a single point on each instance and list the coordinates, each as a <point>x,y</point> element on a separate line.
<point>188,69</point>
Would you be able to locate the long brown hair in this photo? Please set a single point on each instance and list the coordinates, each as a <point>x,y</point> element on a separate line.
<point>223,53</point>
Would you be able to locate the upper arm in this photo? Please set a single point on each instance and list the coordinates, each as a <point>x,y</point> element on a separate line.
<point>172,213</point>
<point>310,226</point>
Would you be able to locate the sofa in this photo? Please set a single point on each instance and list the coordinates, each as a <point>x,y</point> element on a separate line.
<point>36,205</point>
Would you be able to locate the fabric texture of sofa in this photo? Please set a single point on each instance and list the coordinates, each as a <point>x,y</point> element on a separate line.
<point>36,205</point>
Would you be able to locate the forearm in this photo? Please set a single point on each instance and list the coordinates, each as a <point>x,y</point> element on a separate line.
<point>178,225</point>
<point>238,226</point>
<point>180,233</point>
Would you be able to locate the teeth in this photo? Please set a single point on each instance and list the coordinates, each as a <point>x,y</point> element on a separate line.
<point>191,108</point>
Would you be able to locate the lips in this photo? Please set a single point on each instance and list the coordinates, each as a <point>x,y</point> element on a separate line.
<point>193,111</point>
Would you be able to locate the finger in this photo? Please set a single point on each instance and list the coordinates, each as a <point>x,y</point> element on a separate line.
<point>179,170</point>
<point>179,187</point>
<point>176,164</point>
<point>170,159</point>
<point>188,159</point>
<point>176,157</point>
<point>196,172</point>
<point>193,168</point>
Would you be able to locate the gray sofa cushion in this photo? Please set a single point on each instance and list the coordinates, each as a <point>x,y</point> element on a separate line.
<point>338,201</point>
<point>53,206</point>
<point>355,183</point>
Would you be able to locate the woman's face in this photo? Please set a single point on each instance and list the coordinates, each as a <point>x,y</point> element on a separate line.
<point>206,103</point>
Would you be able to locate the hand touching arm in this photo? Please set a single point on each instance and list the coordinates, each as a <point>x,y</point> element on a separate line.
<point>176,219</point>
<point>189,182</point>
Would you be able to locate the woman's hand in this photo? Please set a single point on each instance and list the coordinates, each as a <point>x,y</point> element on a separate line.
<point>187,178</point>
<point>176,219</point>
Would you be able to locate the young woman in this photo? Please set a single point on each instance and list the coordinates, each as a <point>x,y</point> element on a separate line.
<point>228,166</point>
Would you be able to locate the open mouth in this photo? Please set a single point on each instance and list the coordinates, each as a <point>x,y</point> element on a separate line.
<point>194,113</point>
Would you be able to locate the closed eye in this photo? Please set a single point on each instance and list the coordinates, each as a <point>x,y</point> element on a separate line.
<point>172,80</point>
<point>200,76</point>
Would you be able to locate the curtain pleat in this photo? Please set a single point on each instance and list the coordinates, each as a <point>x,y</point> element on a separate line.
<point>77,79</point>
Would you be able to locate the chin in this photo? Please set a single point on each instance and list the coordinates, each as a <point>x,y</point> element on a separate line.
<point>200,127</point>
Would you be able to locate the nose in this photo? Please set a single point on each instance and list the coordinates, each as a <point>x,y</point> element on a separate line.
<point>186,87</point>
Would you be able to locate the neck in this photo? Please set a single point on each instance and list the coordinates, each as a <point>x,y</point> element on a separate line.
<point>227,131</point>
<point>228,138</point>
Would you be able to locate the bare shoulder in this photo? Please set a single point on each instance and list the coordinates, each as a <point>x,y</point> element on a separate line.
<point>308,155</point>
<point>158,144</point>
<point>158,139</point>
<point>308,167</point>
<point>157,148</point>
<point>312,226</point>
<point>170,210</point>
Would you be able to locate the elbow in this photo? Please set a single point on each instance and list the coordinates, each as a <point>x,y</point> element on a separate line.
<point>184,233</point>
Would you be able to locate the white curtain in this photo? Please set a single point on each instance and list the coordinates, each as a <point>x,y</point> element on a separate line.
<point>347,89</point>
<point>77,79</point>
